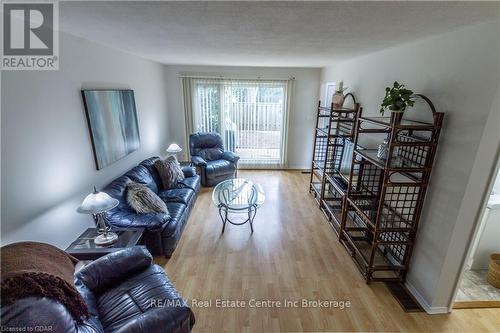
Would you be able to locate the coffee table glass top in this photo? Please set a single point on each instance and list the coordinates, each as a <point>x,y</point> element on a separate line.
<point>238,195</point>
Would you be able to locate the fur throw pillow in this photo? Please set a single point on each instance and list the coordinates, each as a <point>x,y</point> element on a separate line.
<point>143,200</point>
<point>170,172</point>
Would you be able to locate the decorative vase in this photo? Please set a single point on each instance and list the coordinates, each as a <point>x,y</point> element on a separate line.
<point>338,99</point>
<point>382,150</point>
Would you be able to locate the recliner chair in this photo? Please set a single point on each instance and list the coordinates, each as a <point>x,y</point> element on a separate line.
<point>212,162</point>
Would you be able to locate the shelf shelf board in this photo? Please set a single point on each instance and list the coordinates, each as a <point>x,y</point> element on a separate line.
<point>340,184</point>
<point>316,187</point>
<point>363,247</point>
<point>334,133</point>
<point>318,173</point>
<point>399,164</point>
<point>390,220</point>
<point>405,123</point>
<point>320,164</point>
<point>367,219</point>
<point>337,110</point>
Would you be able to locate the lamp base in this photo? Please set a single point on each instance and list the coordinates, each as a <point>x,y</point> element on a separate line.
<point>106,239</point>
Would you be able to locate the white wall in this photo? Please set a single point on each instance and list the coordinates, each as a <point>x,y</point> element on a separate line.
<point>47,158</point>
<point>496,185</point>
<point>488,241</point>
<point>302,117</point>
<point>459,72</point>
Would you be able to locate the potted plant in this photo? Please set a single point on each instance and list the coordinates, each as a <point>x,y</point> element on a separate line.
<point>338,96</point>
<point>397,98</point>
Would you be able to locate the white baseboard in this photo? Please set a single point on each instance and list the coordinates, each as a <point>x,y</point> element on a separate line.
<point>423,303</point>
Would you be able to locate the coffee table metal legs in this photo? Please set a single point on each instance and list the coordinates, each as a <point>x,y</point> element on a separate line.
<point>224,212</point>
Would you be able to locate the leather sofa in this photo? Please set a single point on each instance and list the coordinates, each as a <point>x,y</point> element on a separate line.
<point>208,155</point>
<point>124,292</point>
<point>161,231</point>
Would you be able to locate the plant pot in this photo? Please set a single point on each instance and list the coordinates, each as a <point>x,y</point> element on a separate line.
<point>494,270</point>
<point>338,99</point>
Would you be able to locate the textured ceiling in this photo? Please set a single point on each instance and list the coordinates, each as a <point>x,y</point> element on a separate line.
<point>309,34</point>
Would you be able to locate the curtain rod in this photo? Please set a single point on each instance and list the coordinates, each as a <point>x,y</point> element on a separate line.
<point>236,77</point>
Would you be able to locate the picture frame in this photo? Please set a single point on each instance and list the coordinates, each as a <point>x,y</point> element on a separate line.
<point>113,126</point>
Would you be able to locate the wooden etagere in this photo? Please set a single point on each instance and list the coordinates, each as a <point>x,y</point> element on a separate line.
<point>334,134</point>
<point>384,197</point>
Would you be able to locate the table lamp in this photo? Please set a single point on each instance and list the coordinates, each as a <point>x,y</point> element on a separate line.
<point>173,149</point>
<point>96,203</point>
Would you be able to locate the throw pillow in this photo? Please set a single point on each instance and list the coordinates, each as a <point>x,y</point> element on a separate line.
<point>170,172</point>
<point>143,200</point>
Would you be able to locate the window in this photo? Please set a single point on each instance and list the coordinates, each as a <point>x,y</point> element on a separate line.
<point>249,115</point>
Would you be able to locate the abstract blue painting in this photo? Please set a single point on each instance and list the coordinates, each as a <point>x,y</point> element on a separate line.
<point>112,121</point>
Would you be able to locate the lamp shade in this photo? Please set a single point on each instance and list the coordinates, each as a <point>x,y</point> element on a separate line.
<point>174,148</point>
<point>97,202</point>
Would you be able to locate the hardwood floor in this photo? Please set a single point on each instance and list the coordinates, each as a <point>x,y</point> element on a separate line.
<point>293,254</point>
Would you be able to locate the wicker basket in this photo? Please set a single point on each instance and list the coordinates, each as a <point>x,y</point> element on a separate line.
<point>494,270</point>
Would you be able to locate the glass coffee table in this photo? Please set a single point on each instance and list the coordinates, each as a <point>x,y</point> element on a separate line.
<point>238,196</point>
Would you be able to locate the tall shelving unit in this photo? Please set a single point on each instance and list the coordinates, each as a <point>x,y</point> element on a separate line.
<point>384,198</point>
<point>334,134</point>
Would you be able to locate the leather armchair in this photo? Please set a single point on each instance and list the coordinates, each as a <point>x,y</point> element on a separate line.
<point>124,292</point>
<point>212,162</point>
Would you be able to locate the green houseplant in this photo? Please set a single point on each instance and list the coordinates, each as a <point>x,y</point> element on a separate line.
<point>397,98</point>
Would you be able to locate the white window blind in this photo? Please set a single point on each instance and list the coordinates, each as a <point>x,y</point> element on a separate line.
<point>250,115</point>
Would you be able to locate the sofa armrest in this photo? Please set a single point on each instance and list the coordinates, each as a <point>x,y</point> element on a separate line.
<point>198,161</point>
<point>188,171</point>
<point>109,270</point>
<point>230,156</point>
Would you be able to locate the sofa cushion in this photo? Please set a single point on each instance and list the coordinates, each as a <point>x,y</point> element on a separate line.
<point>150,165</point>
<point>141,174</point>
<point>182,195</point>
<point>219,168</point>
<point>123,218</point>
<point>143,200</point>
<point>176,210</point>
<point>141,302</point>
<point>191,182</point>
<point>118,190</point>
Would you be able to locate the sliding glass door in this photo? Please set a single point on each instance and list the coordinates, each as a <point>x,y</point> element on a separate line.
<point>249,115</point>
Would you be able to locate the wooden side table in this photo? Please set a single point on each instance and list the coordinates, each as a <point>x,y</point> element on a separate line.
<point>83,248</point>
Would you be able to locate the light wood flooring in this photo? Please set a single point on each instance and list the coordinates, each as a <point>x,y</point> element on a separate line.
<point>292,255</point>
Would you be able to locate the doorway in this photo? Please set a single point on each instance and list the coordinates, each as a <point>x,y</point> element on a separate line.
<point>479,286</point>
<point>250,115</point>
